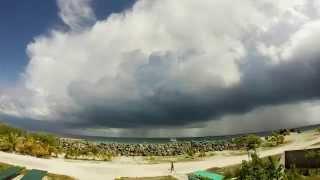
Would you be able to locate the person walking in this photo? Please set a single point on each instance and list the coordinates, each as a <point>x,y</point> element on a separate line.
<point>172,167</point>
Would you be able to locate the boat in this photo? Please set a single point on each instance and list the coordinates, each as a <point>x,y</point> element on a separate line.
<point>173,139</point>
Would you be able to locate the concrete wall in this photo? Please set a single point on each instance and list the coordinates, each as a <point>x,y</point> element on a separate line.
<point>308,158</point>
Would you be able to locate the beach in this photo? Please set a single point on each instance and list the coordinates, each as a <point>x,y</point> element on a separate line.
<point>133,167</point>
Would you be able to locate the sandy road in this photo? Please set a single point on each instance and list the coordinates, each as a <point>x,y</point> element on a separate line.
<point>88,170</point>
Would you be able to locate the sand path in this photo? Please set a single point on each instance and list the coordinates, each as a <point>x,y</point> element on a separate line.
<point>88,170</point>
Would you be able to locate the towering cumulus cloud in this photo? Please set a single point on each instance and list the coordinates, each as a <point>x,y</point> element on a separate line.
<point>175,64</point>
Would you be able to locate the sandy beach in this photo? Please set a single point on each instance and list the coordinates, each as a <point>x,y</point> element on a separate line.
<point>88,170</point>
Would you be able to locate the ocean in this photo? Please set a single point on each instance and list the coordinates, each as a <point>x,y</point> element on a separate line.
<point>132,140</point>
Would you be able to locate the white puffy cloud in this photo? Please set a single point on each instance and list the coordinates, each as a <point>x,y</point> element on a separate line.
<point>303,43</point>
<point>76,13</point>
<point>184,47</point>
<point>111,49</point>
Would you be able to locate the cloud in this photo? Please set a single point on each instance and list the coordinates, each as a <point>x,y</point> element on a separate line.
<point>259,120</point>
<point>76,13</point>
<point>167,64</point>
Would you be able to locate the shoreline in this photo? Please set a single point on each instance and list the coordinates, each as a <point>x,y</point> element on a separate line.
<point>165,140</point>
<point>83,169</point>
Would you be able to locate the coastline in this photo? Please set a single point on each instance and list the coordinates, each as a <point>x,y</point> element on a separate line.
<point>83,169</point>
<point>159,140</point>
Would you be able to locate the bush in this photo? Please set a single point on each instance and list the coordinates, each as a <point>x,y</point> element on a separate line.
<point>5,145</point>
<point>261,169</point>
<point>274,140</point>
<point>45,138</point>
<point>284,132</point>
<point>5,130</point>
<point>35,144</point>
<point>40,150</point>
<point>250,142</point>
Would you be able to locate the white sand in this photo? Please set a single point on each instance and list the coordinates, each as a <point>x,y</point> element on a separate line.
<point>89,170</point>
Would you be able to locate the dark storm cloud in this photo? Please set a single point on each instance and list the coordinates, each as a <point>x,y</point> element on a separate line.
<point>262,84</point>
<point>33,125</point>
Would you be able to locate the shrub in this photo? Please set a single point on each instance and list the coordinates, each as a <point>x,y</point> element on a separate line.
<point>45,138</point>
<point>261,169</point>
<point>274,140</point>
<point>284,132</point>
<point>40,150</point>
<point>250,142</point>
<point>6,130</point>
<point>5,145</point>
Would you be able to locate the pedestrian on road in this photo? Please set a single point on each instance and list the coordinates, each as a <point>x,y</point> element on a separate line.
<point>172,167</point>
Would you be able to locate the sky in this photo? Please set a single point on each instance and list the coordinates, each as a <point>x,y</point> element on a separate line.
<point>22,21</point>
<point>159,68</point>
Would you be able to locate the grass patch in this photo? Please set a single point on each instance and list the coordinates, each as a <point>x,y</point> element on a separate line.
<point>149,178</point>
<point>4,166</point>
<point>51,176</point>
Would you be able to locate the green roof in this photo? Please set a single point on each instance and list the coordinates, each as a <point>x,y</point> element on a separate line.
<point>11,172</point>
<point>34,175</point>
<point>209,175</point>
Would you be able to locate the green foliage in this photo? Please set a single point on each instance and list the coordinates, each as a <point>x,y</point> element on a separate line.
<point>58,177</point>
<point>45,138</point>
<point>35,144</point>
<point>265,169</point>
<point>285,132</point>
<point>292,174</point>
<point>5,144</point>
<point>261,169</point>
<point>4,166</point>
<point>313,154</point>
<point>5,130</point>
<point>250,142</point>
<point>274,140</point>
